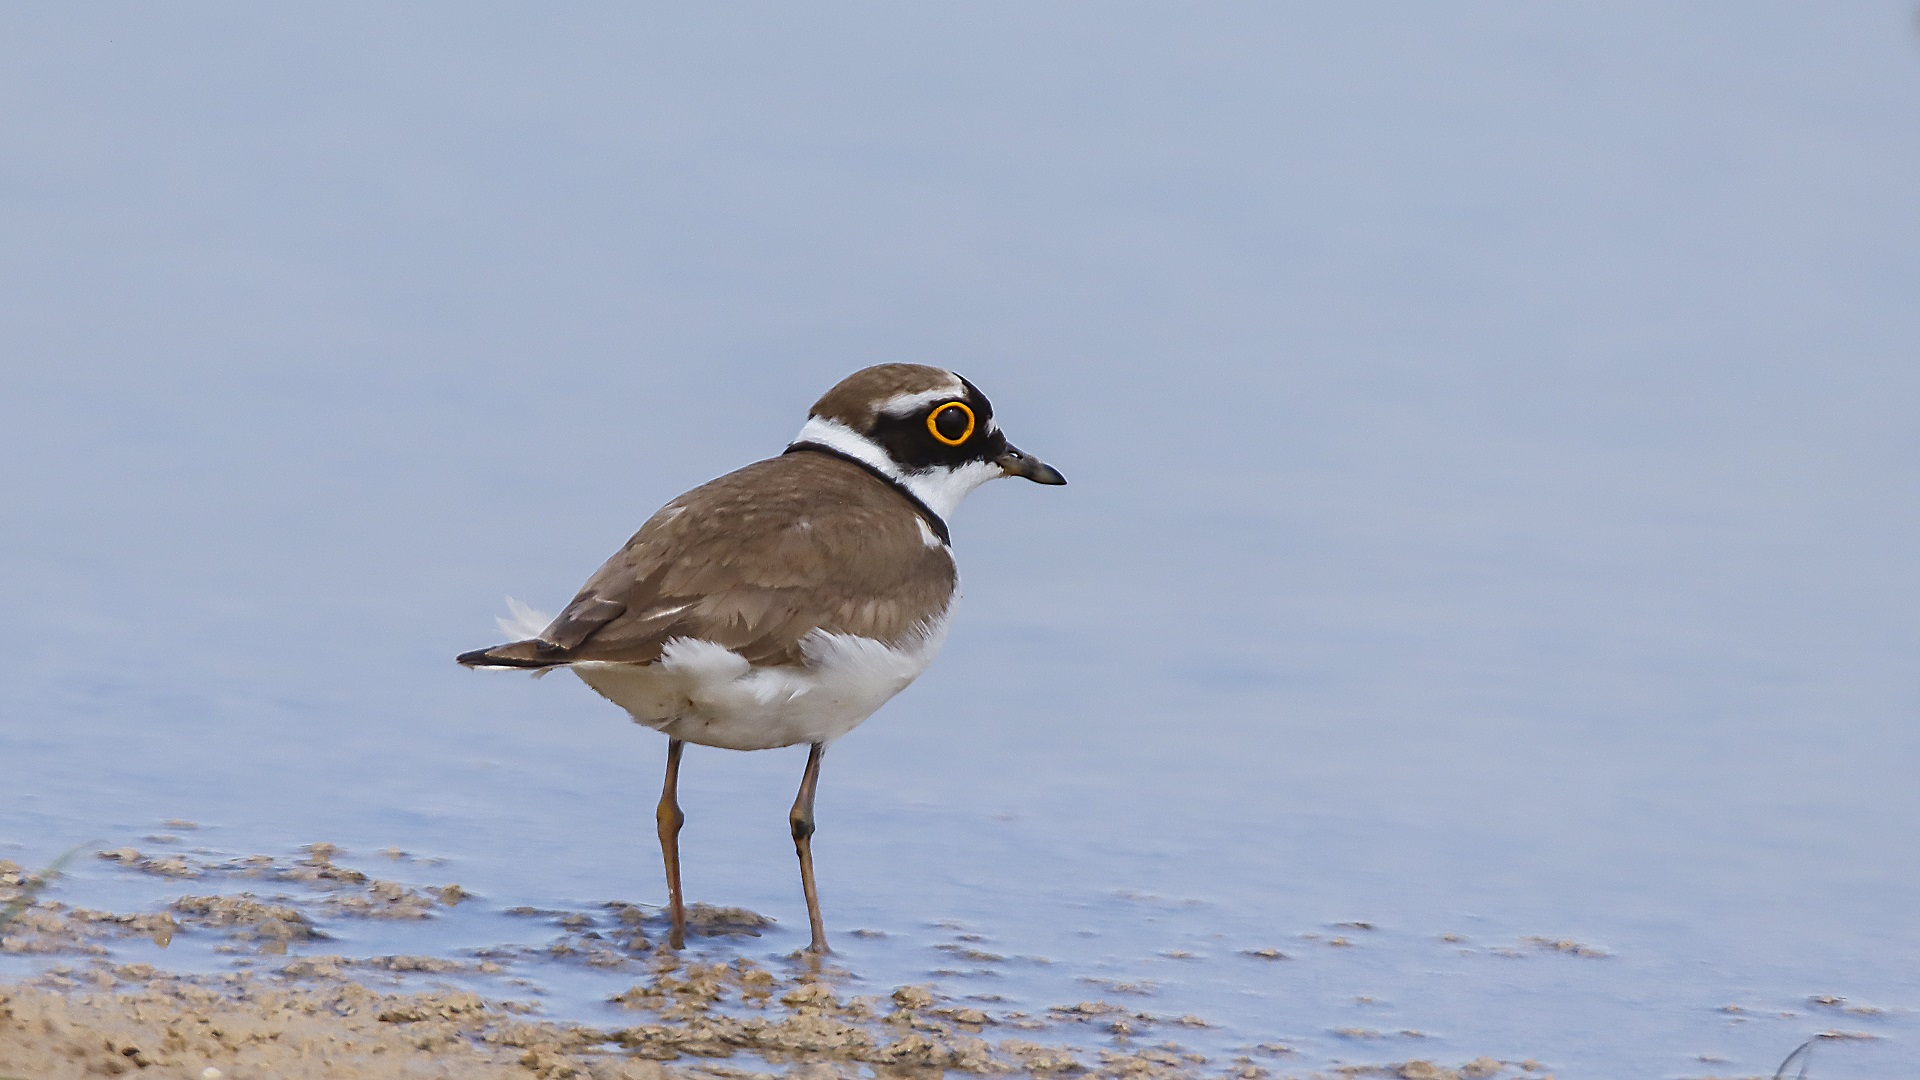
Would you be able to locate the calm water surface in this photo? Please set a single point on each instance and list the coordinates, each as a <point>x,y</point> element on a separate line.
<point>1492,511</point>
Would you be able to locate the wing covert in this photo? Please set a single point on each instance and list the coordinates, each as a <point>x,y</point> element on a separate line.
<point>758,559</point>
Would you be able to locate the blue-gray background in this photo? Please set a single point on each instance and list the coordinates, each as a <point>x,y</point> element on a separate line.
<point>1491,433</point>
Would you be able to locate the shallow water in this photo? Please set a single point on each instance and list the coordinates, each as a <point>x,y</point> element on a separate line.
<point>1492,503</point>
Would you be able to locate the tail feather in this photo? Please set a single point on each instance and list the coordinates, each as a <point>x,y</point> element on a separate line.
<point>518,654</point>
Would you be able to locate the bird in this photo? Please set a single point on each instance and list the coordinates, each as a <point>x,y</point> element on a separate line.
<point>787,601</point>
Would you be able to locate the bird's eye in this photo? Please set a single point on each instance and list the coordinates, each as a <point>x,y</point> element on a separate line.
<point>951,423</point>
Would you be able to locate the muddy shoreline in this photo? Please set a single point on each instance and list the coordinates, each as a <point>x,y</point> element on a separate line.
<point>292,1009</point>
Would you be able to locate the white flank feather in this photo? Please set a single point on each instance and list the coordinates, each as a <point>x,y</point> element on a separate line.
<point>521,621</point>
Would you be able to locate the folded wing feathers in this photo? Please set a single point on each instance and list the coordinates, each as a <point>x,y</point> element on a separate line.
<point>745,562</point>
<point>582,618</point>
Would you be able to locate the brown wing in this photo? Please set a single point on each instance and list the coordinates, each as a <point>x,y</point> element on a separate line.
<point>755,561</point>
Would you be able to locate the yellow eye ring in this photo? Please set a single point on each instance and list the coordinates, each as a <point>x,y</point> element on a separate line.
<point>933,423</point>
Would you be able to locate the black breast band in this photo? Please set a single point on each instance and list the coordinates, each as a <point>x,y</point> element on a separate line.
<point>926,513</point>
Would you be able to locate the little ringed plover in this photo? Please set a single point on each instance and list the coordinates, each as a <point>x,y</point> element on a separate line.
<point>784,603</point>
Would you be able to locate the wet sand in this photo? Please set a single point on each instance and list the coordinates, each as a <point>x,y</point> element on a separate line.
<point>297,1014</point>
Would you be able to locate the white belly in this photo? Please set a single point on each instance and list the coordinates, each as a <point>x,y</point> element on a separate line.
<point>706,694</point>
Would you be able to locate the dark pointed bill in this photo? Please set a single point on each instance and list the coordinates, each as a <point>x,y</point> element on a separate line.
<point>1014,462</point>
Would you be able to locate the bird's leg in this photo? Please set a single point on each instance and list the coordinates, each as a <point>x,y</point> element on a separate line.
<point>670,819</point>
<point>802,821</point>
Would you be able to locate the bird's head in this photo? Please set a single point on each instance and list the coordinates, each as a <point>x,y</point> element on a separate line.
<point>925,427</point>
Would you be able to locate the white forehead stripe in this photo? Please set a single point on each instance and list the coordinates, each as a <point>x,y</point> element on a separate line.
<point>908,404</point>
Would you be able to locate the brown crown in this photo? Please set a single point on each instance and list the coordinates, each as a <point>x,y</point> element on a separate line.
<point>855,401</point>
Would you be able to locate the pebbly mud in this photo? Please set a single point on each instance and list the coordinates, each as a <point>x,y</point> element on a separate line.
<point>292,1006</point>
